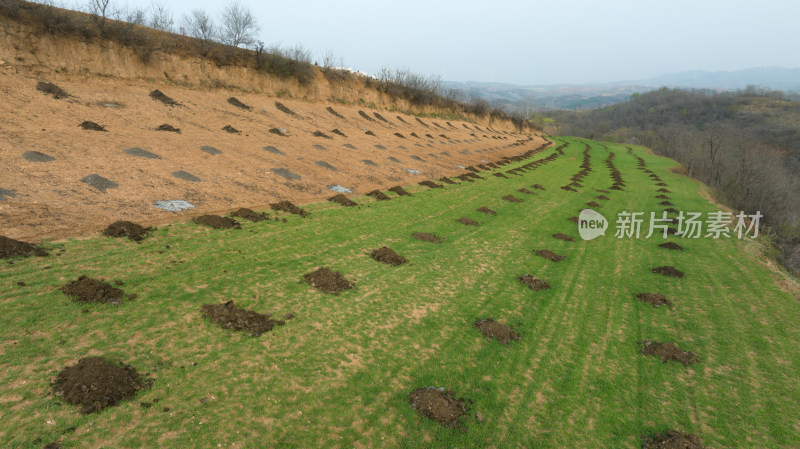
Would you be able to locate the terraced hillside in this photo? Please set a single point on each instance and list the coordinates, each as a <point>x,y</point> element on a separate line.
<point>397,345</point>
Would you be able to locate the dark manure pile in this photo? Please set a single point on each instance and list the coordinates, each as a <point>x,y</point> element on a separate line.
<point>494,330</point>
<point>249,214</point>
<point>228,316</point>
<point>327,280</point>
<point>533,282</point>
<point>486,210</point>
<point>231,130</point>
<point>671,245</point>
<point>440,405</point>
<point>52,90</point>
<point>431,184</point>
<point>169,128</point>
<point>387,256</point>
<point>425,237</point>
<point>160,96</point>
<point>342,200</point>
<point>668,270</point>
<point>672,439</point>
<point>668,351</point>
<point>468,221</point>
<point>86,289</point>
<point>378,195</point>
<point>127,229</point>
<point>563,237</point>
<point>549,255</point>
<point>512,199</point>
<point>94,384</point>
<point>287,206</point>
<point>235,102</point>
<point>10,249</point>
<point>400,191</point>
<point>92,126</point>
<point>654,299</point>
<point>217,222</point>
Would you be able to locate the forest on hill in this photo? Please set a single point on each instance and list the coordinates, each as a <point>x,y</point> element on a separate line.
<point>744,144</point>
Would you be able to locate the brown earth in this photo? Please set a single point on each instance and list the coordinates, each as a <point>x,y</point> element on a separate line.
<point>10,248</point>
<point>399,190</point>
<point>533,283</point>
<point>486,210</point>
<point>94,383</point>
<point>655,299</point>
<point>431,184</point>
<point>249,214</point>
<point>287,206</point>
<point>512,199</point>
<point>109,85</point>
<point>672,439</point>
<point>378,195</point>
<point>127,229</point>
<point>564,237</point>
<point>342,200</point>
<point>671,245</point>
<point>387,256</point>
<point>425,237</point>
<point>86,289</point>
<point>494,330</point>
<point>217,222</point>
<point>228,316</point>
<point>549,255</point>
<point>574,219</point>
<point>51,89</point>
<point>468,221</point>
<point>668,351</point>
<point>439,405</point>
<point>92,126</point>
<point>668,270</point>
<point>593,204</point>
<point>328,281</point>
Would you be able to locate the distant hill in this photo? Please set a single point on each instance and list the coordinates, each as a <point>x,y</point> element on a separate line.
<point>516,98</point>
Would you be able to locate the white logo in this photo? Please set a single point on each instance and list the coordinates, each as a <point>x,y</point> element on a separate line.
<point>591,224</point>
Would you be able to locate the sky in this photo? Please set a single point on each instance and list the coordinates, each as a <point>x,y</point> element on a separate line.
<point>530,42</point>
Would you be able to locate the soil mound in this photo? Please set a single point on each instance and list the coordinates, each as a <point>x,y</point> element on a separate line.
<point>283,108</point>
<point>100,183</point>
<point>322,134</point>
<point>431,184</point>
<point>425,237</point>
<point>486,210</point>
<point>564,237</point>
<point>92,126</point>
<point>235,102</point>
<point>533,283</point>
<point>602,197</point>
<point>168,127</point>
<point>655,299</point>
<point>86,289</point>
<point>668,270</point>
<point>217,222</point>
<point>278,132</point>
<point>593,204</point>
<point>446,180</point>
<point>342,200</point>
<point>230,129</point>
<point>671,245</point>
<point>51,89</point>
<point>287,206</point>
<point>468,221</point>
<point>127,229</point>
<point>439,405</point>
<point>512,198</point>
<point>337,132</point>
<point>36,156</point>
<point>10,248</point>
<point>249,214</point>
<point>493,330</point>
<point>537,186</point>
<point>95,383</point>
<point>500,175</point>
<point>399,191</point>
<point>388,256</point>
<point>673,439</point>
<point>574,219</point>
<point>332,111</point>
<point>328,281</point>
<point>228,316</point>
<point>400,135</point>
<point>549,255</point>
<point>668,351</point>
<point>160,96</point>
<point>378,195</point>
<point>526,191</point>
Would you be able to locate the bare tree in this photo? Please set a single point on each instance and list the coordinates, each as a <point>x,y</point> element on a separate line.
<point>199,25</point>
<point>100,10</point>
<point>239,26</point>
<point>161,17</point>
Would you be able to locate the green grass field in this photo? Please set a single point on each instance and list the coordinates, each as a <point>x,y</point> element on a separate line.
<point>338,374</point>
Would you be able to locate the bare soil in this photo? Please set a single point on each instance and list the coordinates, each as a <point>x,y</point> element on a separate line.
<point>287,206</point>
<point>378,195</point>
<point>51,89</point>
<point>328,281</point>
<point>425,237</point>
<point>228,316</point>
<point>564,237</point>
<point>498,331</point>
<point>672,439</point>
<point>654,299</point>
<point>468,221</point>
<point>94,384</point>
<point>217,222</point>
<point>127,229</point>
<point>512,199</point>
<point>92,126</point>
<point>387,256</point>
<point>400,191</point>
<point>249,214</point>
<point>86,289</point>
<point>533,282</point>
<point>441,406</point>
<point>342,200</point>
<point>10,249</point>
<point>549,255</point>
<point>668,270</point>
<point>668,351</point>
<point>486,210</point>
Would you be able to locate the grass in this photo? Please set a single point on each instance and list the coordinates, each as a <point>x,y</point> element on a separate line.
<point>338,374</point>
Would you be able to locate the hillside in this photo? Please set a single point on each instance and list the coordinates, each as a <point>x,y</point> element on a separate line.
<point>58,179</point>
<point>343,370</point>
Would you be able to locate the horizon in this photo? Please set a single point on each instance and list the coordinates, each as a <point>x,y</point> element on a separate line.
<point>464,42</point>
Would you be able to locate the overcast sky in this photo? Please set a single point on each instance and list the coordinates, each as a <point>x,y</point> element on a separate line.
<point>530,42</point>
